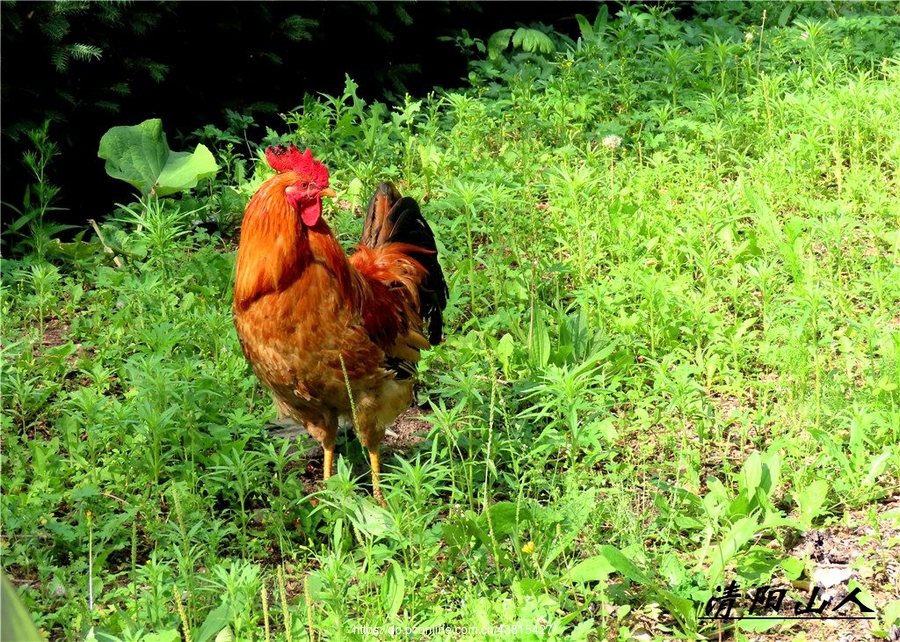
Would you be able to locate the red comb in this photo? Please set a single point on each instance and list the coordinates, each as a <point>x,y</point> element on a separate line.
<point>283,159</point>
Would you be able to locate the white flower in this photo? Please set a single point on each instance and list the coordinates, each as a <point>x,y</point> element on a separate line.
<point>611,142</point>
<point>748,36</point>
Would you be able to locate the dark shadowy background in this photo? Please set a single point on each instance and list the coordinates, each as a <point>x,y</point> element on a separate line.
<point>187,62</point>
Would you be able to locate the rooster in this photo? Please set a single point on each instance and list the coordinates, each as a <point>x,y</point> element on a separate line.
<point>315,324</point>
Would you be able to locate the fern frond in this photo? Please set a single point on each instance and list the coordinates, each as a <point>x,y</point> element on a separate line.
<point>273,58</point>
<point>108,105</point>
<point>264,107</point>
<point>70,6</point>
<point>111,11</point>
<point>527,39</point>
<point>59,57</point>
<point>157,71</point>
<point>144,21</point>
<point>532,40</point>
<point>84,52</point>
<point>383,33</point>
<point>498,42</point>
<point>401,13</point>
<point>298,28</point>
<point>55,27</point>
<point>12,19</point>
<point>66,96</point>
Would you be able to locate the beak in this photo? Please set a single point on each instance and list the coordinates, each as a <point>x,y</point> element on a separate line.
<point>327,192</point>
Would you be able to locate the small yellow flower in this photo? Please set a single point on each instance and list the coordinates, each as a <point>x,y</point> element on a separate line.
<point>528,549</point>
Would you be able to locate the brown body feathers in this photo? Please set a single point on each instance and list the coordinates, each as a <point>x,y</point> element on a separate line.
<point>305,312</point>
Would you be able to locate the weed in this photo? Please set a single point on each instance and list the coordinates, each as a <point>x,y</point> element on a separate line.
<point>34,234</point>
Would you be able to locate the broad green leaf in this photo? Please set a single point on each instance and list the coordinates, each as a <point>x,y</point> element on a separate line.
<point>593,569</point>
<point>624,565</point>
<point>354,191</point>
<point>184,170</point>
<point>751,474</point>
<point>527,586</point>
<point>891,238</point>
<point>372,520</point>
<point>758,562</point>
<point>86,491</point>
<point>140,156</point>
<point>717,496</point>
<point>540,340</point>
<point>393,589</point>
<point>602,18</point>
<point>587,31</point>
<point>225,635</point>
<point>810,499</point>
<point>876,468</point>
<point>15,620</point>
<point>582,631</point>
<point>737,537</point>
<point>505,348</point>
<point>214,624</point>
<point>864,596</point>
<point>785,14</point>
<point>498,42</point>
<point>316,584</point>
<point>885,385</point>
<point>681,607</point>
<point>503,517</point>
<point>135,154</point>
<point>75,251</point>
<point>672,569</point>
<point>771,473</point>
<point>793,568</point>
<point>890,614</point>
<point>462,532</point>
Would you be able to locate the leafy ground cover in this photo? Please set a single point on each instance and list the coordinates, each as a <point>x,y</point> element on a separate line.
<point>672,359</point>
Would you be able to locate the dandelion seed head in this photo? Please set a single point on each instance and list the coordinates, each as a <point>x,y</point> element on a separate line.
<point>612,142</point>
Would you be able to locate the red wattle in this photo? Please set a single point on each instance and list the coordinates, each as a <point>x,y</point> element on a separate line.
<point>311,214</point>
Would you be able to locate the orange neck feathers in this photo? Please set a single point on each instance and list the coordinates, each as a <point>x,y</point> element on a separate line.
<point>276,247</point>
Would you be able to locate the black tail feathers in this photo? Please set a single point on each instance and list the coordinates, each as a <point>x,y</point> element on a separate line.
<point>393,218</point>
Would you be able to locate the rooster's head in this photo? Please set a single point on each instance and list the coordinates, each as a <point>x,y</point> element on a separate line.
<point>308,180</point>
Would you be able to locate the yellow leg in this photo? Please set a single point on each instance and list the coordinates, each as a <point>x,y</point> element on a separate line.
<point>375,462</point>
<point>324,430</point>
<point>329,456</point>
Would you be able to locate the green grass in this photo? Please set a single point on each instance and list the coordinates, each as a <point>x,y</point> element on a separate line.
<point>673,342</point>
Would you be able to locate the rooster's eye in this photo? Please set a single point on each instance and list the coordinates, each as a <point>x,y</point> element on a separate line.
<point>304,185</point>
